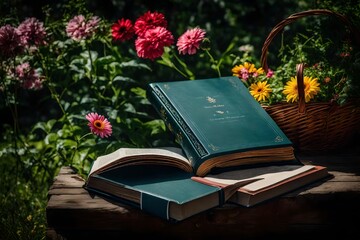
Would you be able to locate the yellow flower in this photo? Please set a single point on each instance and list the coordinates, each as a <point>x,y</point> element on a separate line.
<point>260,90</point>
<point>260,71</point>
<point>311,88</point>
<point>246,71</point>
<point>250,67</point>
<point>237,71</point>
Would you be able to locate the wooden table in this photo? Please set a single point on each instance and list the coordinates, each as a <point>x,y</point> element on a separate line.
<point>330,208</point>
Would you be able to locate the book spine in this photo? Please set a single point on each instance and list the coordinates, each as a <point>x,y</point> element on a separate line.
<point>175,123</point>
<point>151,204</point>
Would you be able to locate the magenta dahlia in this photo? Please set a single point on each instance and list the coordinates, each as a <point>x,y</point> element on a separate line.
<point>151,44</point>
<point>32,32</point>
<point>10,42</point>
<point>28,77</point>
<point>149,20</point>
<point>190,41</point>
<point>79,28</point>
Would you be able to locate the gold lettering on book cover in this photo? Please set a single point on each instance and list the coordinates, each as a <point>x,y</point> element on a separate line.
<point>213,147</point>
<point>210,99</point>
<point>166,86</point>
<point>163,114</point>
<point>278,139</point>
<point>179,138</point>
<point>171,129</point>
<point>219,111</point>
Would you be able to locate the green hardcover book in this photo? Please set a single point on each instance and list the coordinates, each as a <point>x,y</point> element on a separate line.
<point>160,181</point>
<point>153,180</point>
<point>163,191</point>
<point>219,124</point>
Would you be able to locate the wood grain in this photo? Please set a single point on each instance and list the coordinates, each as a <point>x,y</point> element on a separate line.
<point>326,207</point>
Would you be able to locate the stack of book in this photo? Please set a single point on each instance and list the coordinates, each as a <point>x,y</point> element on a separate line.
<point>230,151</point>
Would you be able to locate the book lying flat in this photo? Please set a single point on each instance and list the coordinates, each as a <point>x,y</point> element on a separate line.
<point>132,176</point>
<point>218,123</point>
<point>170,190</point>
<point>271,181</point>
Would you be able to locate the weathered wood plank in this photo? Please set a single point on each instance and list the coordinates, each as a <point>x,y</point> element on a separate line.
<point>67,191</point>
<point>79,201</point>
<point>68,181</point>
<point>283,216</point>
<point>325,207</point>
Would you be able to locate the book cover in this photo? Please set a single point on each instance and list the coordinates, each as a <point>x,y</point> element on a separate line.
<point>219,126</point>
<point>163,191</point>
<point>216,119</point>
<point>272,181</point>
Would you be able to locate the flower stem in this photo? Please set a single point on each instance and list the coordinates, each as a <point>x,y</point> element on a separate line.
<point>214,62</point>
<point>91,64</point>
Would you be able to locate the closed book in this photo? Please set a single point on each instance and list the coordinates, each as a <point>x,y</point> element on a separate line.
<point>163,191</point>
<point>219,124</point>
<point>271,181</point>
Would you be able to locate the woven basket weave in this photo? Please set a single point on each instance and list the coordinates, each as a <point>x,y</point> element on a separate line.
<point>313,126</point>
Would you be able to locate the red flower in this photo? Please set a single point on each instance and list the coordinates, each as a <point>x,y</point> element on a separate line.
<point>149,21</point>
<point>99,125</point>
<point>189,42</point>
<point>122,30</point>
<point>151,44</point>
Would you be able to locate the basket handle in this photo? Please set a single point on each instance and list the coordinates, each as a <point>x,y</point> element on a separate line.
<point>292,18</point>
<point>300,67</point>
<point>300,83</point>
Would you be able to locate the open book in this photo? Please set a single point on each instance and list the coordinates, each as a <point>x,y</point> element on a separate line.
<point>160,181</point>
<point>219,124</point>
<point>156,180</point>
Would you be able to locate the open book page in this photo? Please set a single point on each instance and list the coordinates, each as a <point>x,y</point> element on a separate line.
<point>171,156</point>
<point>266,176</point>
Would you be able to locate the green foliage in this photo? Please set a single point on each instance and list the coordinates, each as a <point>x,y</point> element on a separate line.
<point>45,129</point>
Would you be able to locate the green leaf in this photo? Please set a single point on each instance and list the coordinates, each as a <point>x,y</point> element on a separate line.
<point>139,91</point>
<point>134,64</point>
<point>51,138</point>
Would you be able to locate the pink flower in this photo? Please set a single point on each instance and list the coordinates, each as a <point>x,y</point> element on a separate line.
<point>32,32</point>
<point>28,77</point>
<point>99,125</point>
<point>148,21</point>
<point>151,44</point>
<point>190,41</point>
<point>10,42</point>
<point>122,30</point>
<point>270,73</point>
<point>78,28</point>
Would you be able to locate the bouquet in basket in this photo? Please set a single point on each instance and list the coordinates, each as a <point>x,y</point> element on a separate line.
<point>326,78</point>
<point>313,94</point>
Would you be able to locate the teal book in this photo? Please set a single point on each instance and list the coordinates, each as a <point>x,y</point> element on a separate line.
<point>219,124</point>
<point>151,180</point>
<point>160,182</point>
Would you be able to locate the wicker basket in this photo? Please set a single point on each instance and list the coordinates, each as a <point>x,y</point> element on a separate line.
<point>313,126</point>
